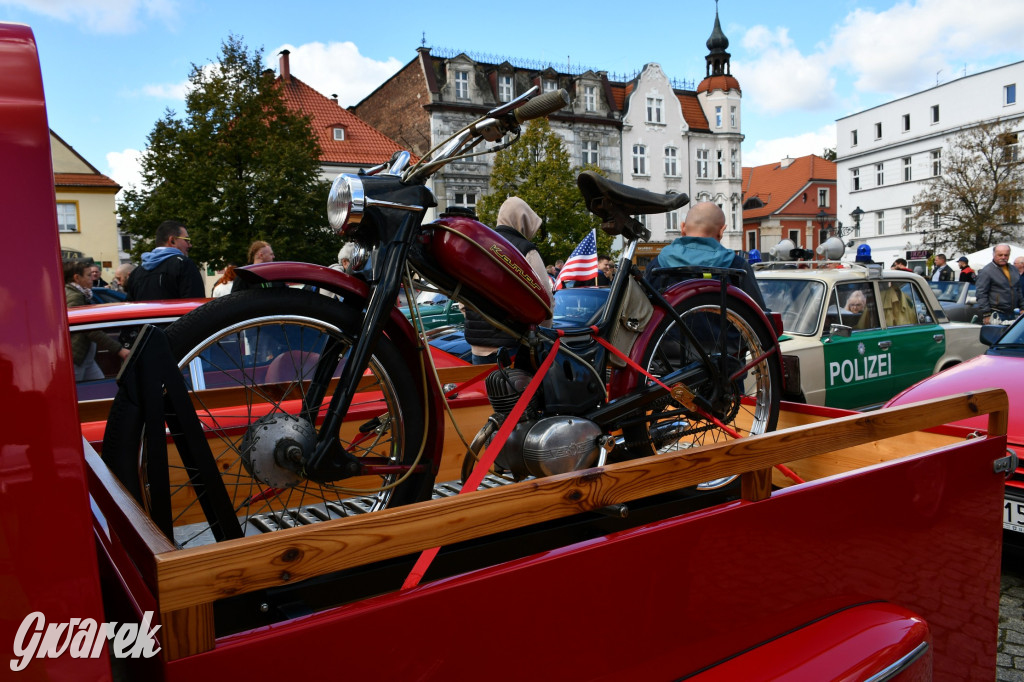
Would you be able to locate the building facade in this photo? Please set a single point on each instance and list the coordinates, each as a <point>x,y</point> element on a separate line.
<point>791,199</point>
<point>887,154</point>
<point>347,144</point>
<point>646,131</point>
<point>86,218</point>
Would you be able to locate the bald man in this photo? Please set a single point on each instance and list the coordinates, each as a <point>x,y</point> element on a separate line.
<point>701,245</point>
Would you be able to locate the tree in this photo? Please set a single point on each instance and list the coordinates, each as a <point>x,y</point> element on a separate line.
<point>829,154</point>
<point>239,166</point>
<point>977,199</point>
<point>537,170</point>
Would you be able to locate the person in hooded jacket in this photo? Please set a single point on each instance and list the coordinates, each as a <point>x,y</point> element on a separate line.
<point>167,271</point>
<point>701,245</point>
<point>517,223</point>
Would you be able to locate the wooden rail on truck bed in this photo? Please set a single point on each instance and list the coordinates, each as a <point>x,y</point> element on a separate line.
<point>185,583</point>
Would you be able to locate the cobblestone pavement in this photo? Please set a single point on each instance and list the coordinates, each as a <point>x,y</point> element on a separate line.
<point>1010,653</point>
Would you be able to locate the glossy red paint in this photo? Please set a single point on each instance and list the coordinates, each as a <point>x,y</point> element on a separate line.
<point>141,311</point>
<point>670,598</point>
<point>44,521</point>
<point>852,644</point>
<point>490,265</point>
<point>984,371</point>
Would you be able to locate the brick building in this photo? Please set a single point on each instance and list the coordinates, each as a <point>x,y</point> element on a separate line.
<point>644,130</point>
<point>786,200</point>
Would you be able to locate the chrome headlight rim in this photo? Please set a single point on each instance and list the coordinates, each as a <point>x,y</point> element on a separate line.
<point>345,202</point>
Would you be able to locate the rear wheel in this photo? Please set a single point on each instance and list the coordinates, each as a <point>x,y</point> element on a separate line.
<point>747,401</point>
<point>248,360</point>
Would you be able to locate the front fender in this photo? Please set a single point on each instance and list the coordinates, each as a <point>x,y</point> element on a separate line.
<point>398,329</point>
<point>627,379</point>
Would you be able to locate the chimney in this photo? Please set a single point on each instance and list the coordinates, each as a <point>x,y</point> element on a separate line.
<point>286,72</point>
<point>786,162</point>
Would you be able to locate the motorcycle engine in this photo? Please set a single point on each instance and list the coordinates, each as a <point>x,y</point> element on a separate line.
<point>540,446</point>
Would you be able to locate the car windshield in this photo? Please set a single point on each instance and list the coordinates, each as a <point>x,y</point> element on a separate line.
<point>797,300</point>
<point>578,307</point>
<point>947,292</point>
<point>1014,336</point>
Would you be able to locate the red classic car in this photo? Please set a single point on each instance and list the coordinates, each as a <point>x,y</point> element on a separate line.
<point>1001,366</point>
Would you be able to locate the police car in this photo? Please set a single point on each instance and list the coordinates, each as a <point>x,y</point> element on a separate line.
<point>856,335</point>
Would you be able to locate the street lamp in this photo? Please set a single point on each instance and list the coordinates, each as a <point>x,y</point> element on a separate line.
<point>822,219</point>
<point>856,214</point>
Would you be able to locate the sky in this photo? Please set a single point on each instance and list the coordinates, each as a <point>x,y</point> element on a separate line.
<point>112,68</point>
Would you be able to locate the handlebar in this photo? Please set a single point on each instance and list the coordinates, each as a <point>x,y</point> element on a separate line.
<point>548,103</point>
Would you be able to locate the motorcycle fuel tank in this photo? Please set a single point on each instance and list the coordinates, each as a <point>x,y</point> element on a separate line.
<point>486,262</point>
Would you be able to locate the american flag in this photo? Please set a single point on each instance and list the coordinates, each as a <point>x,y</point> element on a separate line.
<point>582,264</point>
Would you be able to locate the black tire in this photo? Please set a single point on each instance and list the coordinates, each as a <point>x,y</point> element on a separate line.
<point>669,426</point>
<point>263,343</point>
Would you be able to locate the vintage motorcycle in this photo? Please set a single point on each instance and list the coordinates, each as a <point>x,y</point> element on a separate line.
<point>316,407</point>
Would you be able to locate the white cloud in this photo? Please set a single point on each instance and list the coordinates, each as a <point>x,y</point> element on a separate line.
<point>336,69</point>
<point>176,91</point>
<point>126,167</point>
<point>103,16</point>
<point>769,151</point>
<point>780,78</point>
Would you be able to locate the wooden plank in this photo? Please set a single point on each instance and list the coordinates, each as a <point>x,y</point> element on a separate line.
<point>215,398</point>
<point>186,632</point>
<point>128,521</point>
<point>756,485</point>
<point>202,575</point>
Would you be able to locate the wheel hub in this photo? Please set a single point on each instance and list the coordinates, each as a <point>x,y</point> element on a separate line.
<point>275,448</point>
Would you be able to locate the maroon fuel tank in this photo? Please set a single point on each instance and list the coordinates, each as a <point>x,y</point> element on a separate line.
<point>491,266</point>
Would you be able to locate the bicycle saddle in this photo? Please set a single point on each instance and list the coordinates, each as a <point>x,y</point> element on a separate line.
<point>603,196</point>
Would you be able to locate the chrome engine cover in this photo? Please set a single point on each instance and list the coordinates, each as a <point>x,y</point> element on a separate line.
<point>558,445</point>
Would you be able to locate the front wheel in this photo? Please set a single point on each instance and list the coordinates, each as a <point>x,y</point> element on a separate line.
<point>747,397</point>
<point>251,361</point>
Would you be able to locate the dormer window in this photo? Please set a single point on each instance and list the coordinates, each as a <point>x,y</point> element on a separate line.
<point>549,85</point>
<point>461,85</point>
<point>504,88</point>
<point>339,134</point>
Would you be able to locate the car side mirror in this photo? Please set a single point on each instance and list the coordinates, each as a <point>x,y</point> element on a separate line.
<point>839,330</point>
<point>991,333</point>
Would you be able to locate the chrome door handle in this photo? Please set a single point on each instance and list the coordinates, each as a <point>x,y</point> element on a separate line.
<point>938,337</point>
<point>884,345</point>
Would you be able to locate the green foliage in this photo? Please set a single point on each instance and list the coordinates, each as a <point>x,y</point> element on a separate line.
<point>537,170</point>
<point>829,154</point>
<point>239,166</point>
<point>978,199</point>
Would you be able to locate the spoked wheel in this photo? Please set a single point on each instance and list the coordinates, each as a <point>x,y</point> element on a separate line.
<point>747,401</point>
<point>251,362</point>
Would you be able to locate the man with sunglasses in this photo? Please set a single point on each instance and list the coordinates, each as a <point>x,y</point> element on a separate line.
<point>167,271</point>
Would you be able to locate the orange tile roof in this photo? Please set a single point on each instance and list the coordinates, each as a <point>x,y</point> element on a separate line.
<point>693,113</point>
<point>620,93</point>
<point>83,180</point>
<point>363,144</point>
<point>776,186</point>
<point>719,83</point>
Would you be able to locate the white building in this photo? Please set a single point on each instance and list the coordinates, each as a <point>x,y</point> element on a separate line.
<point>687,141</point>
<point>886,154</point>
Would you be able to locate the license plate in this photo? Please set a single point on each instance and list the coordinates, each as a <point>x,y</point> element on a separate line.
<point>1013,515</point>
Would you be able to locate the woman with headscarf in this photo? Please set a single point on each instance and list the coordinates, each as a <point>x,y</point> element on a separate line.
<point>518,223</point>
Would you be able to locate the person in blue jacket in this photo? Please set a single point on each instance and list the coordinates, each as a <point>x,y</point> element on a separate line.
<point>701,245</point>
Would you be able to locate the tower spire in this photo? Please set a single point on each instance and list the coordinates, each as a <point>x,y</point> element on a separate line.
<point>717,59</point>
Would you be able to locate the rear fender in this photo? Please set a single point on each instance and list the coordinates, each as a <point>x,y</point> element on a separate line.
<point>355,291</point>
<point>627,379</point>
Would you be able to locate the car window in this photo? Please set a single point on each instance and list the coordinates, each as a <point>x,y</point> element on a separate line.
<point>972,294</point>
<point>947,292</point>
<point>902,305</point>
<point>799,301</point>
<point>855,306</point>
<point>99,370</point>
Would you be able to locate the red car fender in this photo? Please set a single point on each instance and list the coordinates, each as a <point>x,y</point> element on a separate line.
<point>397,328</point>
<point>625,380</point>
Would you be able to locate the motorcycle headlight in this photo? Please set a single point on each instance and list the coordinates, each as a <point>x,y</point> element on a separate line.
<point>345,203</point>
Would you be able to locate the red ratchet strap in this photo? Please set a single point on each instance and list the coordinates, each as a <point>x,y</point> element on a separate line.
<point>784,470</point>
<point>483,465</point>
<point>470,382</point>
